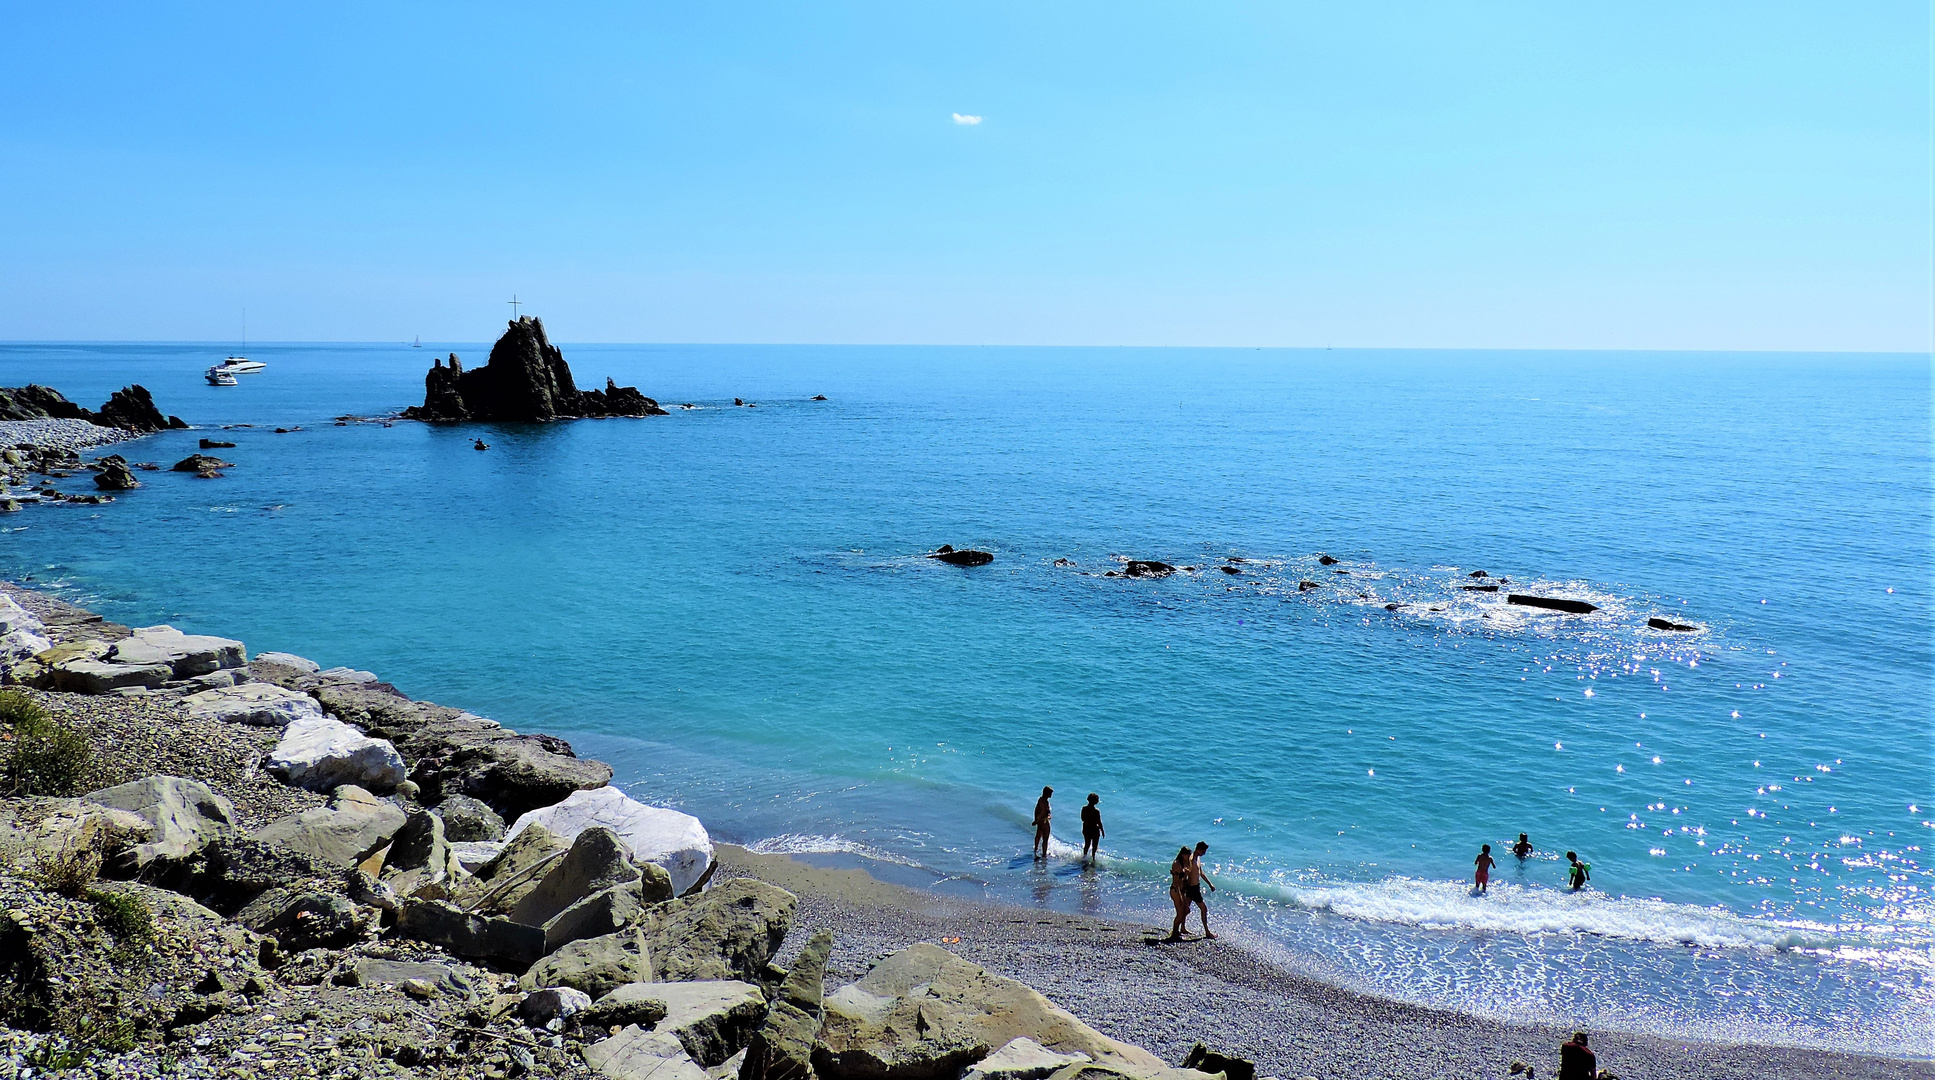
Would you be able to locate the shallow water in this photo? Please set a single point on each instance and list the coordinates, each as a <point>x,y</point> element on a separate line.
<point>728,604</point>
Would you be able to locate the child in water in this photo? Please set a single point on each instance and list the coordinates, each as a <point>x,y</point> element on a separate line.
<point>1577,873</point>
<point>1484,862</point>
<point>1523,848</point>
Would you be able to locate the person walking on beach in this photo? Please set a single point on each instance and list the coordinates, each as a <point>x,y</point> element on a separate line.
<point>1179,892</point>
<point>1522,849</point>
<point>1091,829</point>
<point>1577,873</point>
<point>1041,823</point>
<point>1484,862</point>
<point>1198,879</point>
<point>1576,1059</point>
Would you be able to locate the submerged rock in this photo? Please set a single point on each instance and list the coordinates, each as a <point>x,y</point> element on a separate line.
<point>1667,624</point>
<point>1147,568</point>
<point>525,379</point>
<point>201,463</point>
<point>1552,603</point>
<point>962,557</point>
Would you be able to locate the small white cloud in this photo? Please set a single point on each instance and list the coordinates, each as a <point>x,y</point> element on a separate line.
<point>969,121</point>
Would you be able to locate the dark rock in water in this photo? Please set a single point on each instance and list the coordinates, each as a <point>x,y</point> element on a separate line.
<point>1306,586</point>
<point>819,397</point>
<point>1202,1059</point>
<point>1111,574</point>
<point>130,408</point>
<point>115,475</point>
<point>208,474</point>
<point>216,444</point>
<point>1666,624</point>
<point>525,379</point>
<point>1232,569</point>
<point>1392,607</point>
<point>1340,571</point>
<point>1477,573</point>
<point>1147,568</point>
<point>1479,588</point>
<point>1326,560</point>
<point>148,466</point>
<point>737,401</point>
<point>963,557</point>
<point>196,463</point>
<point>1552,603</point>
<point>1063,562</point>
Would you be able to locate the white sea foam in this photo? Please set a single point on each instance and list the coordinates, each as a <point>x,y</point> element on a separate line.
<point>1530,910</point>
<point>814,844</point>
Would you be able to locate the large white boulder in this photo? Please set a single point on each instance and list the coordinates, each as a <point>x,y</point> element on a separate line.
<point>260,704</point>
<point>320,753</point>
<point>187,655</point>
<point>675,841</point>
<point>186,815</point>
<point>14,617</point>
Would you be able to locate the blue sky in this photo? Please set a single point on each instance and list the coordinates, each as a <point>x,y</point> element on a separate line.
<point>1712,176</point>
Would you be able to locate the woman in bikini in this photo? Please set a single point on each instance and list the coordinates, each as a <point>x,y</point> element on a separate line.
<point>1179,892</point>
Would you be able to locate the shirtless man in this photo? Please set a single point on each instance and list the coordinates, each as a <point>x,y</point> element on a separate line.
<point>1194,887</point>
<point>1091,829</point>
<point>1041,823</point>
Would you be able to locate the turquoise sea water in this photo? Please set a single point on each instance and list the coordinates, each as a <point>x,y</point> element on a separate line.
<point>729,605</point>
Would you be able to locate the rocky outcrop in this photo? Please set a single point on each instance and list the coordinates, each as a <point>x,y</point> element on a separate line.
<point>1147,568</point>
<point>115,474</point>
<point>925,1014</point>
<point>674,841</point>
<point>130,408</point>
<point>201,463</point>
<point>257,704</point>
<point>525,379</point>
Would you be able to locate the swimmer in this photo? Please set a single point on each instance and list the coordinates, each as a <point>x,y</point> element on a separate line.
<point>1523,848</point>
<point>1484,862</point>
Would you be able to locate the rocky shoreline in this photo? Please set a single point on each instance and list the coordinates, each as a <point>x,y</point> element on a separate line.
<point>219,864</point>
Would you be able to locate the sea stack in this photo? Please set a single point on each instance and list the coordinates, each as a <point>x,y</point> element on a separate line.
<point>525,379</point>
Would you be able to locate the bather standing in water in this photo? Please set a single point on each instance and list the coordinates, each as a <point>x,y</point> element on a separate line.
<point>1042,815</point>
<point>1091,829</point>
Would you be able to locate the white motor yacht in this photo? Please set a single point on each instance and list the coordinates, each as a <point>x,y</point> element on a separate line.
<point>241,365</point>
<point>219,375</point>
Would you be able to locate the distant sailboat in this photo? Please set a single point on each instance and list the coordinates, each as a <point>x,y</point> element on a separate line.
<point>238,364</point>
<point>418,343</point>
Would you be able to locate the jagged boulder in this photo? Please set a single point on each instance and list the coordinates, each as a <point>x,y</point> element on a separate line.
<point>186,816</point>
<point>1202,1059</point>
<point>354,826</point>
<point>476,937</point>
<point>726,933</point>
<point>115,474</point>
<point>674,841</point>
<point>525,379</point>
<point>420,862</point>
<point>503,882</point>
<point>782,1048</point>
<point>468,820</point>
<point>201,464</point>
<point>711,1021</point>
<point>596,965</point>
<point>596,861</point>
<point>925,1014</point>
<point>306,918</point>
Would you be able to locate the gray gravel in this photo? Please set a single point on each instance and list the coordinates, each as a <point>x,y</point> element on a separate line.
<point>1119,979</point>
<point>73,435</point>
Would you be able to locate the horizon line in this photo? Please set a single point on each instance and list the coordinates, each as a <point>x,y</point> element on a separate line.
<point>219,343</point>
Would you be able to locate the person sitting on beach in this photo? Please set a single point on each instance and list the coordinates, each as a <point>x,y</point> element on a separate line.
<point>1576,1059</point>
<point>1577,873</point>
<point>1484,862</point>
<point>1091,828</point>
<point>1523,848</point>
<point>1198,879</point>
<point>1179,892</point>
<point>1041,823</point>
